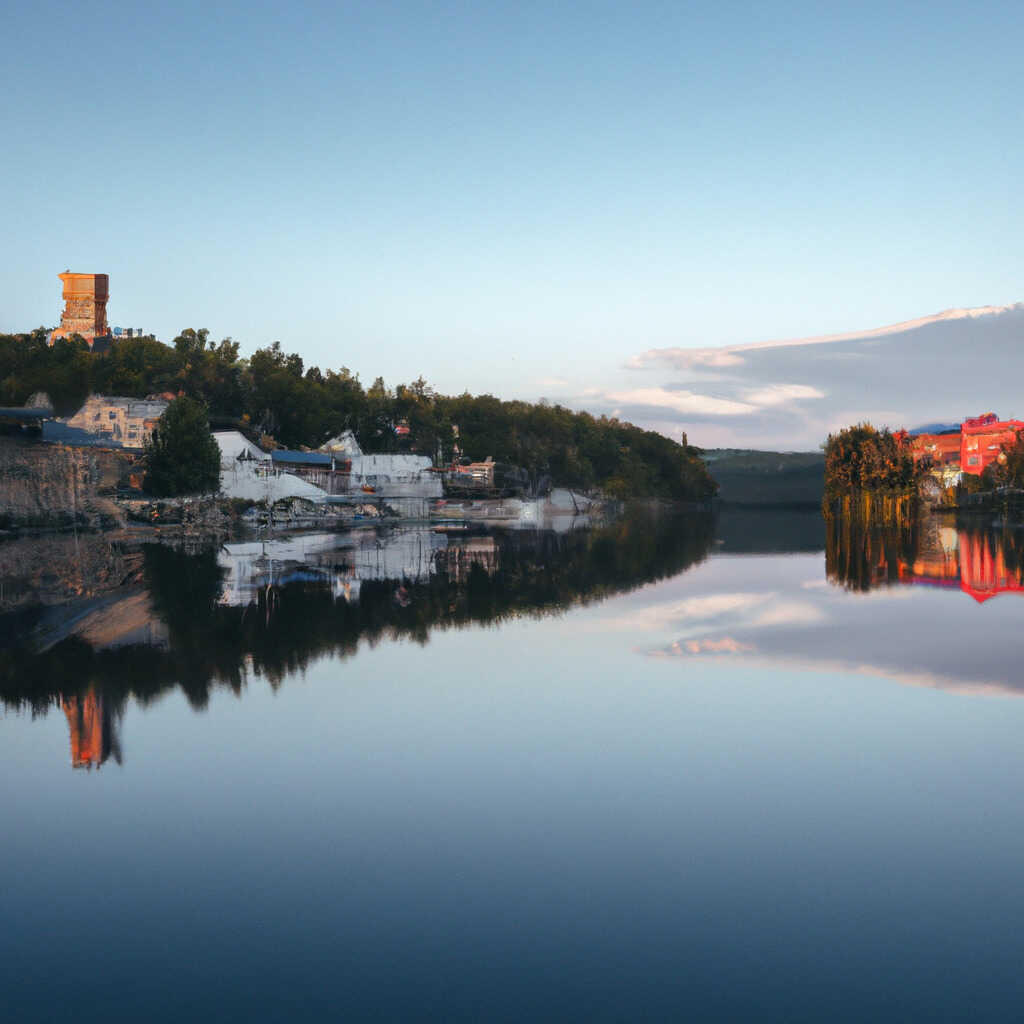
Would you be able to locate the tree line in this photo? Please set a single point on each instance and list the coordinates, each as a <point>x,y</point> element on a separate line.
<point>273,393</point>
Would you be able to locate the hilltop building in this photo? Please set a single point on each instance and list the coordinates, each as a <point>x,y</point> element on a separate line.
<point>85,308</point>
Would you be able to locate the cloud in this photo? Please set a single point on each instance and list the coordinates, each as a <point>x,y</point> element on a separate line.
<point>556,385</point>
<point>685,402</point>
<point>685,359</point>
<point>790,395</point>
<point>781,394</point>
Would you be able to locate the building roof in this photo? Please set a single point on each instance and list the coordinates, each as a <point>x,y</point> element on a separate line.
<point>345,443</point>
<point>27,413</point>
<point>233,443</point>
<point>301,458</point>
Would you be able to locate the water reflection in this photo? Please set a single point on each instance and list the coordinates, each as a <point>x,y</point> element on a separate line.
<point>93,726</point>
<point>892,602</point>
<point>979,560</point>
<point>199,619</point>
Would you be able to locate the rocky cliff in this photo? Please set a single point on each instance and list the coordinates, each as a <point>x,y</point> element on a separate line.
<point>47,485</point>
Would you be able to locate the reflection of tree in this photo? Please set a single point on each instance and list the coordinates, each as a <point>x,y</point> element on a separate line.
<point>862,552</point>
<point>287,628</point>
<point>866,552</point>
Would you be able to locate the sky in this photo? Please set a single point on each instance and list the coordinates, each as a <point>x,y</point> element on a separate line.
<point>514,198</point>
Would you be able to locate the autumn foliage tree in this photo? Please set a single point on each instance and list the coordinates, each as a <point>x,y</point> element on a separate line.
<point>862,458</point>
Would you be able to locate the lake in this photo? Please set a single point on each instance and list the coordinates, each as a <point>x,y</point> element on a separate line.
<point>737,766</point>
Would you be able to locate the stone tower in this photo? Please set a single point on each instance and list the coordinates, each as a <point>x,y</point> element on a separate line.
<point>85,307</point>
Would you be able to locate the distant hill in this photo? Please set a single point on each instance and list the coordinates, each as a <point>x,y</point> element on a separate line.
<point>936,428</point>
<point>750,477</point>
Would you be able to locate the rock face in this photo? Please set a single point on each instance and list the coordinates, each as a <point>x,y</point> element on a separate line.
<point>53,486</point>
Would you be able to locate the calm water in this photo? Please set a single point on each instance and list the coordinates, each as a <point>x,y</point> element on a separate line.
<point>757,768</point>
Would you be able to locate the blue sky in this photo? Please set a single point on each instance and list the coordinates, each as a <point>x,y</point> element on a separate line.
<point>516,198</point>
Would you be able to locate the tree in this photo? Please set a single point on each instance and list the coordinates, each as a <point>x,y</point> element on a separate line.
<point>182,457</point>
<point>861,458</point>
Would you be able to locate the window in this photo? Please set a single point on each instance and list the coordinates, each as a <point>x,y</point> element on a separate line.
<point>973,460</point>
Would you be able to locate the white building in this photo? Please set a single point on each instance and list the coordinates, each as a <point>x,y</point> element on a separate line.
<point>246,472</point>
<point>108,422</point>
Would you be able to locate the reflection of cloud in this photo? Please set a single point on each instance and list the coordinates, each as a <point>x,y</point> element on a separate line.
<point>700,609</point>
<point>921,679</point>
<point>789,613</point>
<point>710,645</point>
<point>750,610</point>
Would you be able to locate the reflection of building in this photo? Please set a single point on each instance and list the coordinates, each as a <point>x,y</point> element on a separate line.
<point>458,559</point>
<point>85,307</point>
<point>973,561</point>
<point>93,731</point>
<point>983,569</point>
<point>342,561</point>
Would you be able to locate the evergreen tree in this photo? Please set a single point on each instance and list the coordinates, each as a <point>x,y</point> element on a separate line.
<point>182,457</point>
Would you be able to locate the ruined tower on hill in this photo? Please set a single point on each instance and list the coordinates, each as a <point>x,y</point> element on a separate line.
<point>85,307</point>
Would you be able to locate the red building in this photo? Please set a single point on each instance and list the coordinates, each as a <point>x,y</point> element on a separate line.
<point>942,449</point>
<point>982,439</point>
<point>978,444</point>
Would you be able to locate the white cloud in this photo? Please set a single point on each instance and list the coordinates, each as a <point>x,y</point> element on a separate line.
<point>780,394</point>
<point>685,402</point>
<point>553,384</point>
<point>685,358</point>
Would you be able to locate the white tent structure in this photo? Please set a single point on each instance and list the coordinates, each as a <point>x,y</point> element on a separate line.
<point>246,472</point>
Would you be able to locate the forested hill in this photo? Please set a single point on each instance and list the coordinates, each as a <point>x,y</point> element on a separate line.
<point>274,393</point>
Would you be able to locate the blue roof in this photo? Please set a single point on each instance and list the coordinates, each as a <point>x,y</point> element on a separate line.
<point>301,458</point>
<point>27,413</point>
